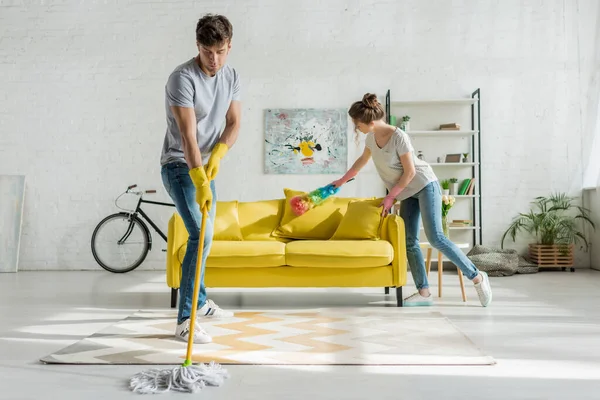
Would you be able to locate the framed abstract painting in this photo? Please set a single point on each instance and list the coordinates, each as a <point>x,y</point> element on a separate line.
<point>306,141</point>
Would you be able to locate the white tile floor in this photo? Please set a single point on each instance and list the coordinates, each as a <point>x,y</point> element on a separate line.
<point>543,329</point>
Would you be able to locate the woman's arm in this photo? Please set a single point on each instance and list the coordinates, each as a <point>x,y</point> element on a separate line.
<point>355,169</point>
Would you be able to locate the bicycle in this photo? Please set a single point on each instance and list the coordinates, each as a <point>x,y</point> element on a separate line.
<point>121,241</point>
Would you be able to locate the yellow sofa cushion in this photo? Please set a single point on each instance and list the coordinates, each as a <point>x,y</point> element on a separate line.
<point>227,224</point>
<point>362,221</point>
<point>339,253</point>
<point>258,219</point>
<point>318,223</point>
<point>236,254</point>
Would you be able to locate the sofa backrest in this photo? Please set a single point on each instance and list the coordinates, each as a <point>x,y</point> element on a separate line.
<point>259,218</point>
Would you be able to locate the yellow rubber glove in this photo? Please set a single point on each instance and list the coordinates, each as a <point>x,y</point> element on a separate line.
<point>212,167</point>
<point>204,195</point>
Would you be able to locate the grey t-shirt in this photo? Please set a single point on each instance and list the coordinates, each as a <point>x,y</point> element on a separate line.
<point>210,96</point>
<point>388,165</point>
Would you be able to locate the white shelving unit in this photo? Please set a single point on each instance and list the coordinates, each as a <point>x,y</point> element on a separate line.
<point>435,144</point>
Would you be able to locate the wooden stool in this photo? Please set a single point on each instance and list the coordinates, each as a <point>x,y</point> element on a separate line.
<point>441,267</point>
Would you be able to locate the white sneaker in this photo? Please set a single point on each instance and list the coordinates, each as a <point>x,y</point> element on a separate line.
<point>484,290</point>
<point>211,310</point>
<point>182,332</point>
<point>416,300</point>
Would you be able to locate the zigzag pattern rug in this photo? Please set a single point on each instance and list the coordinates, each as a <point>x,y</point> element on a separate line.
<point>366,336</point>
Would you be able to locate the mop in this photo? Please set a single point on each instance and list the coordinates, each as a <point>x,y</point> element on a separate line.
<point>188,377</point>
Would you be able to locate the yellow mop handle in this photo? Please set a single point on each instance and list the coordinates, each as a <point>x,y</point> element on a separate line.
<point>188,357</point>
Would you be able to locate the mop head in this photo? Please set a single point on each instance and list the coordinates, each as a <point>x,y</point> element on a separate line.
<point>190,379</point>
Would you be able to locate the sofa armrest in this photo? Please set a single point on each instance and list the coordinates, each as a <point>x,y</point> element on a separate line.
<point>396,235</point>
<point>177,236</point>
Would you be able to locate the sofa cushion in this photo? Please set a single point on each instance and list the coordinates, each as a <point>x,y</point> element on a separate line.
<point>362,221</point>
<point>318,223</point>
<point>236,254</point>
<point>339,253</point>
<point>227,224</point>
<point>259,218</point>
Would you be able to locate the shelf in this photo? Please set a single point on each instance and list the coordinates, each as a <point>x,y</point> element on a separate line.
<point>460,228</point>
<point>433,102</point>
<point>440,133</point>
<point>454,164</point>
<point>464,196</point>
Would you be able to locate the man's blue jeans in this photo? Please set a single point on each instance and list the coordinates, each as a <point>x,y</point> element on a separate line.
<point>428,204</point>
<point>179,185</point>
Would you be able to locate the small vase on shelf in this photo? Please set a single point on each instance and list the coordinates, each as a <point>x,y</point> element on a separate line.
<point>445,226</point>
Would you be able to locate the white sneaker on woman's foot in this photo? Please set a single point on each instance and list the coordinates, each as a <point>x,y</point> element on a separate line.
<point>182,332</point>
<point>210,309</point>
<point>484,290</point>
<point>416,300</point>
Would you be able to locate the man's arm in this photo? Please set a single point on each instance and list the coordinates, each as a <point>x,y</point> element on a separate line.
<point>186,121</point>
<point>232,124</point>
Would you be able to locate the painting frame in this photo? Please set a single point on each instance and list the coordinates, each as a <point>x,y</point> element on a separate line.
<point>305,141</point>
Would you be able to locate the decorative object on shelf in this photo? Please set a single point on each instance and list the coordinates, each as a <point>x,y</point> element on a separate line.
<point>450,127</point>
<point>405,124</point>
<point>439,160</point>
<point>447,203</point>
<point>445,187</point>
<point>305,141</point>
<point>465,157</point>
<point>467,187</point>
<point>453,186</point>
<point>393,120</point>
<point>420,155</point>
<point>555,224</point>
<point>453,158</point>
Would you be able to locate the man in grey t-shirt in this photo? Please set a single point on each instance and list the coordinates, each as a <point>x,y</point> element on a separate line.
<point>202,102</point>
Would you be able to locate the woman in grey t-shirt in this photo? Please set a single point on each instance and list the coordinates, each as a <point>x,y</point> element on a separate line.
<point>413,182</point>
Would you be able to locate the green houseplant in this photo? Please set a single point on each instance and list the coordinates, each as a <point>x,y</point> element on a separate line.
<point>445,184</point>
<point>553,220</point>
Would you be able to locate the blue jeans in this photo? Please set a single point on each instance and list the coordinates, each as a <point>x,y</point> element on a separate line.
<point>428,204</point>
<point>179,185</point>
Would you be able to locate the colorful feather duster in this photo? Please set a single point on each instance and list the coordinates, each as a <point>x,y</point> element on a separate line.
<point>303,203</point>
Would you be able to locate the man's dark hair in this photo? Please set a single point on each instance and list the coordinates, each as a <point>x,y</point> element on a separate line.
<point>213,29</point>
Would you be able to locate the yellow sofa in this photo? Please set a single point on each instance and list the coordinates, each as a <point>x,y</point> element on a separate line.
<point>262,244</point>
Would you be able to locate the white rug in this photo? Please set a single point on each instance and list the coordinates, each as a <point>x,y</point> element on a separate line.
<point>333,336</point>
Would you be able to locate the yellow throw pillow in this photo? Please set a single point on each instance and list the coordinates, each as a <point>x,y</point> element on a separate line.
<point>318,223</point>
<point>227,223</point>
<point>362,221</point>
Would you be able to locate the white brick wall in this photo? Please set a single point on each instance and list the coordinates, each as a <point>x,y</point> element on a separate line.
<point>81,105</point>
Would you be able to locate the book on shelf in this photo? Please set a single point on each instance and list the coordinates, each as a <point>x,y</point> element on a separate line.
<point>450,127</point>
<point>467,187</point>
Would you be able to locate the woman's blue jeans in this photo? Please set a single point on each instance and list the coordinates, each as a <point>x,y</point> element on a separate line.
<point>428,204</point>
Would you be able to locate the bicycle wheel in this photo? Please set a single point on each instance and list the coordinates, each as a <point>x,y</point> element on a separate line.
<point>120,243</point>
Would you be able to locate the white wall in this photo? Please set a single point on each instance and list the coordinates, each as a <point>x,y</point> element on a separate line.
<point>81,105</point>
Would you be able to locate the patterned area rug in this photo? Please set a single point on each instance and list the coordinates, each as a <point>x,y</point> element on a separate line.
<point>340,336</point>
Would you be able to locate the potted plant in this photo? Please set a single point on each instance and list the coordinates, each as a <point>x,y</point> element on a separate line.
<point>554,222</point>
<point>405,124</point>
<point>453,186</point>
<point>445,187</point>
<point>465,157</point>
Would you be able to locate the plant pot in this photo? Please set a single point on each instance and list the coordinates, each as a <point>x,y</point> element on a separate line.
<point>454,189</point>
<point>446,192</point>
<point>405,126</point>
<point>551,255</point>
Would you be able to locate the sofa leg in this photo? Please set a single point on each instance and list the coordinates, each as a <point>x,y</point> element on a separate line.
<point>174,297</point>
<point>387,290</point>
<point>399,297</point>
